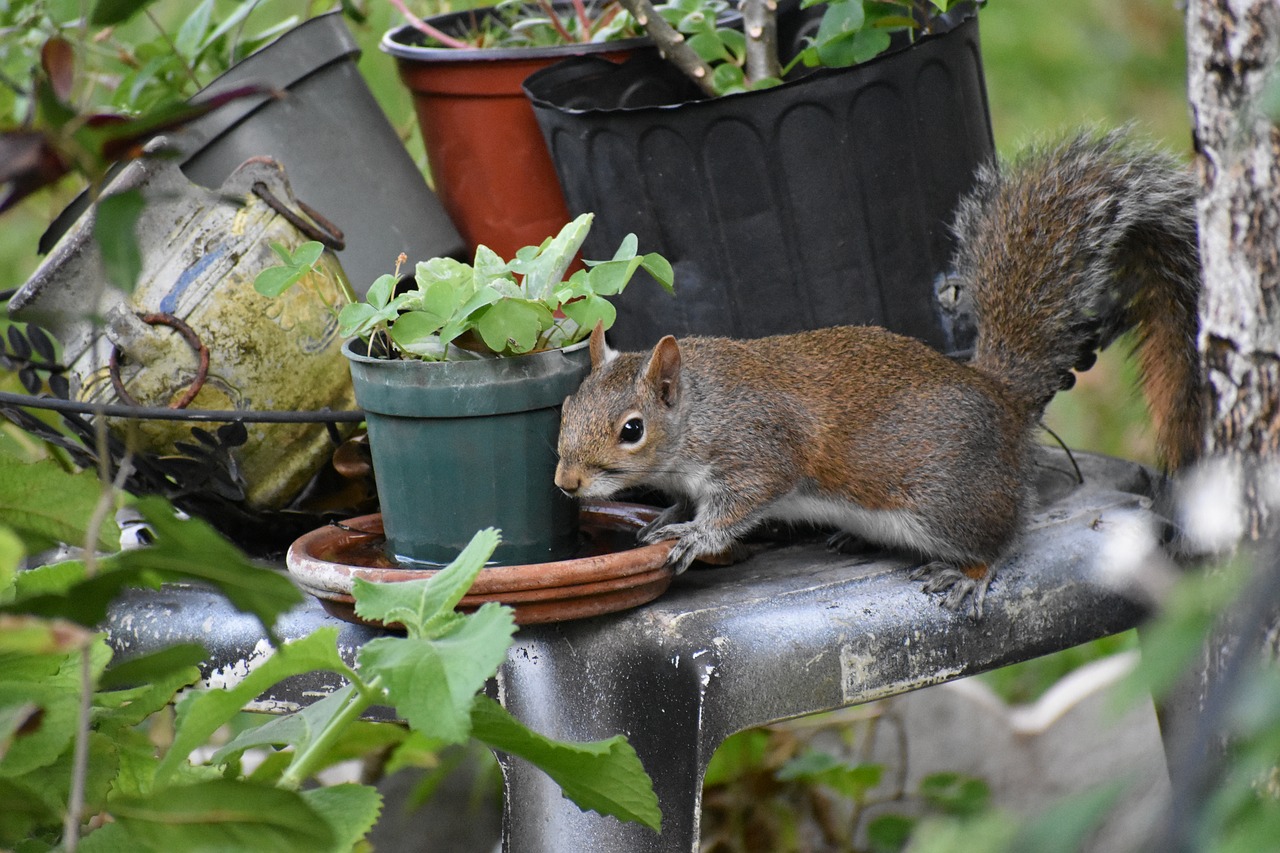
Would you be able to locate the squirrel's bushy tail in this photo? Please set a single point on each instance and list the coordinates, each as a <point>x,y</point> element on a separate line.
<point>1074,245</point>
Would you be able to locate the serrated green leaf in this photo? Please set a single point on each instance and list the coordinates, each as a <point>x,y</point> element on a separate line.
<point>350,810</point>
<point>201,713</point>
<point>145,669</point>
<point>56,693</point>
<point>124,708</point>
<point>84,602</point>
<point>431,682</point>
<point>602,776</point>
<point>44,504</point>
<point>297,729</point>
<point>223,814</point>
<point>419,604</point>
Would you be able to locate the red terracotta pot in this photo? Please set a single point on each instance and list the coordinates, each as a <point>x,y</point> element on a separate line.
<point>491,168</point>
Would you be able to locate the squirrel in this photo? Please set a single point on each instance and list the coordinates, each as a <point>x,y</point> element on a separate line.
<point>886,439</point>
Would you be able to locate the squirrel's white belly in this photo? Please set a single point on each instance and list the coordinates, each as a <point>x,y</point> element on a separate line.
<point>892,527</point>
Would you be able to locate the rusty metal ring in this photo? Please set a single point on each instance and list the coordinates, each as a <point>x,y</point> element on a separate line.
<point>334,238</point>
<point>202,372</point>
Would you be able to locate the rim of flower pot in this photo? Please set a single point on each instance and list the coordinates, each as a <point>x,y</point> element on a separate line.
<point>471,388</point>
<point>399,42</point>
<point>955,21</point>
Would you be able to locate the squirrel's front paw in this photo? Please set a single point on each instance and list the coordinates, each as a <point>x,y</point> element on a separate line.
<point>656,530</point>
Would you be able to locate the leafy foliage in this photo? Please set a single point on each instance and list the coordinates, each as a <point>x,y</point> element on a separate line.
<point>517,23</point>
<point>149,798</point>
<point>505,307</point>
<point>850,32</point>
<point>786,776</point>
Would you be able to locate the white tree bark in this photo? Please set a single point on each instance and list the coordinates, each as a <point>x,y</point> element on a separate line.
<point>1232,51</point>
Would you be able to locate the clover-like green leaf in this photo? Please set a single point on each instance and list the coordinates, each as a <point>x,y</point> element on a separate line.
<point>513,324</point>
<point>379,293</point>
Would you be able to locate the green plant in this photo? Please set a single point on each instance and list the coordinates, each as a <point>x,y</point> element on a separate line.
<point>723,59</point>
<point>769,787</point>
<point>517,23</point>
<point>135,786</point>
<point>505,307</point>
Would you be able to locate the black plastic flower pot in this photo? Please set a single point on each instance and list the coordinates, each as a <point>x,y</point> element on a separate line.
<point>823,201</point>
<point>460,446</point>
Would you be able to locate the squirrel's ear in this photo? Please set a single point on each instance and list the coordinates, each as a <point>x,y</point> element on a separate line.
<point>601,353</point>
<point>663,371</point>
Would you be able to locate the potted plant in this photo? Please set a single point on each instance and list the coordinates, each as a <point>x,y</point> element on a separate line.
<point>461,371</point>
<point>826,197</point>
<point>464,70</point>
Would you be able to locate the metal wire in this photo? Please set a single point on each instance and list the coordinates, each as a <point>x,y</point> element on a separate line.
<point>160,413</point>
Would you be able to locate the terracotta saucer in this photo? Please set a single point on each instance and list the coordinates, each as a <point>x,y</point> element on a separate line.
<point>610,574</point>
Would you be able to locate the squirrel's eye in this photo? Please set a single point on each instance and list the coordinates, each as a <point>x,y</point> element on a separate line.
<point>632,431</point>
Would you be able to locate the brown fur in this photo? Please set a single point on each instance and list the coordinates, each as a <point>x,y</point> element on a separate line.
<point>881,435</point>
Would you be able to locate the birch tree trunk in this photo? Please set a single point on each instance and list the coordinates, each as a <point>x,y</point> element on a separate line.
<point>1233,47</point>
<point>1232,50</point>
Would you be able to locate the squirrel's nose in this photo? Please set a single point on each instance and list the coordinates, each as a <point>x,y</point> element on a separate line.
<point>567,479</point>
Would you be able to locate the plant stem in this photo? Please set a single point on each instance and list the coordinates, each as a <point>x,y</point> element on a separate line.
<point>164,34</point>
<point>584,20</point>
<point>79,756</point>
<point>671,44</point>
<point>760,24</point>
<point>422,26</point>
<point>550,12</point>
<point>305,763</point>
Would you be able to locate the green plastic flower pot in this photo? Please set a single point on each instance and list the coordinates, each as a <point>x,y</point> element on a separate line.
<point>459,446</point>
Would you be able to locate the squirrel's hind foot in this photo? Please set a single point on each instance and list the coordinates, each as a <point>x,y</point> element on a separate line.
<point>959,584</point>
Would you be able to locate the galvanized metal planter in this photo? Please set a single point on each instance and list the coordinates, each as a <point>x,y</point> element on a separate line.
<point>194,332</point>
<point>463,445</point>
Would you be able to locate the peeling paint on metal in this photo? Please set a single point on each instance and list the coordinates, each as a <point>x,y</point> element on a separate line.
<point>237,671</point>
